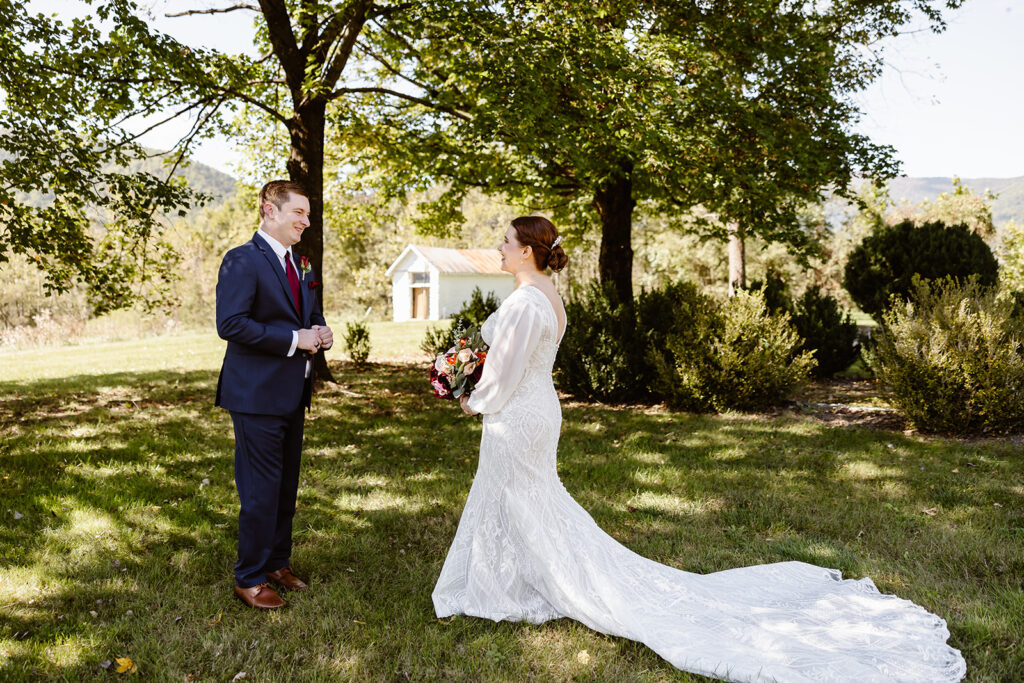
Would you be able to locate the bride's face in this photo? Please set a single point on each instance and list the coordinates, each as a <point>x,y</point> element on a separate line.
<point>512,253</point>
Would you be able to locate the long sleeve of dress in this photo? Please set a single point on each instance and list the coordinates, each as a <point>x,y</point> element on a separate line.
<point>517,331</point>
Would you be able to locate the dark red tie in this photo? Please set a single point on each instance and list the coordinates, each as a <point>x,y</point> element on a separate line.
<point>293,280</point>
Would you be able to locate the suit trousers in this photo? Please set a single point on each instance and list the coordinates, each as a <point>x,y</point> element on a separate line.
<point>267,454</point>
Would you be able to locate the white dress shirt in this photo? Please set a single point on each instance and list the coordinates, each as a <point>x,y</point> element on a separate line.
<point>282,251</point>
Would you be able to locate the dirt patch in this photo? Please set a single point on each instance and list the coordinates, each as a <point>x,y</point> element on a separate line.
<point>849,403</point>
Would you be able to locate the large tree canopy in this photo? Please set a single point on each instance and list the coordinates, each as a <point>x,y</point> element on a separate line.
<point>736,110</point>
<point>63,156</point>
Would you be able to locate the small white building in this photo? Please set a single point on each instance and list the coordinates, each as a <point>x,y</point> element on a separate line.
<point>432,283</point>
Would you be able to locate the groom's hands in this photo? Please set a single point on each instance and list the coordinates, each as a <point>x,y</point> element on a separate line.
<point>316,338</point>
<point>325,335</point>
<point>309,340</point>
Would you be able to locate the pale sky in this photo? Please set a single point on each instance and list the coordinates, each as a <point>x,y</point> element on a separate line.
<point>951,104</point>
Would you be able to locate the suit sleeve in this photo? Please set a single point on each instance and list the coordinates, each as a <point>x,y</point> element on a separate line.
<point>236,293</point>
<point>317,316</point>
<point>516,335</point>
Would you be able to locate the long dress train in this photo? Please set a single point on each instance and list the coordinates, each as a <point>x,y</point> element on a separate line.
<point>526,551</point>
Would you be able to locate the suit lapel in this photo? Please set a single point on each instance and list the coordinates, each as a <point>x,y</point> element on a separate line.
<point>275,265</point>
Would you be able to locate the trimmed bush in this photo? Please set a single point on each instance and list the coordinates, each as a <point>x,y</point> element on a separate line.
<point>357,342</point>
<point>822,325</point>
<point>826,331</point>
<point>884,264</point>
<point>473,314</point>
<point>679,345</point>
<point>952,361</point>
<point>680,323</point>
<point>602,355</point>
<point>753,362</point>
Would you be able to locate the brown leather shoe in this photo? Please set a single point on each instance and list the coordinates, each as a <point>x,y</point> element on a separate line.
<point>283,577</point>
<point>260,597</point>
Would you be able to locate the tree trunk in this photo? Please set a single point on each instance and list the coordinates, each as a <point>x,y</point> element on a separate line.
<point>614,203</point>
<point>306,167</point>
<point>737,260</point>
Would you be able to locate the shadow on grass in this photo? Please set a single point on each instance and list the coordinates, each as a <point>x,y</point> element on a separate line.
<point>125,487</point>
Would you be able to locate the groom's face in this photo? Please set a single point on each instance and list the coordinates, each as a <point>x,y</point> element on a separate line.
<point>285,224</point>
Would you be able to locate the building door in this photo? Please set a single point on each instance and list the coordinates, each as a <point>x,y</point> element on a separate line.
<point>420,303</point>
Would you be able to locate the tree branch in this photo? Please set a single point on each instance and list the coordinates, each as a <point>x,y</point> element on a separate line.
<point>465,116</point>
<point>215,10</point>
<point>394,70</point>
<point>337,62</point>
<point>279,25</point>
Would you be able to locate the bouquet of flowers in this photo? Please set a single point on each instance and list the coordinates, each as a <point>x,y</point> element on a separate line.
<point>456,371</point>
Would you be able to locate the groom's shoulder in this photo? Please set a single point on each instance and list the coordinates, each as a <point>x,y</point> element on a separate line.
<point>247,250</point>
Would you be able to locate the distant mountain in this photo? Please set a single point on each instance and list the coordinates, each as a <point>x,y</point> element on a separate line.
<point>200,177</point>
<point>1008,206</point>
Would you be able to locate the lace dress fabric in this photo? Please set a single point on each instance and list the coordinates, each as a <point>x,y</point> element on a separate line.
<point>526,551</point>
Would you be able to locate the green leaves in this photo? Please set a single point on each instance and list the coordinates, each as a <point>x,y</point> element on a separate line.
<point>67,199</point>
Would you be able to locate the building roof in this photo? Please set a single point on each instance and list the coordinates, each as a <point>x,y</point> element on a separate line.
<point>469,261</point>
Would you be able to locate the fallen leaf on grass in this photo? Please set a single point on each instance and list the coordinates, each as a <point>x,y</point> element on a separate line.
<point>956,470</point>
<point>359,622</point>
<point>583,657</point>
<point>126,666</point>
<point>214,622</point>
<point>240,676</point>
<point>930,511</point>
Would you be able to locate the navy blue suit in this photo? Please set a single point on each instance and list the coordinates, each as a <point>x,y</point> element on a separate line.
<point>266,392</point>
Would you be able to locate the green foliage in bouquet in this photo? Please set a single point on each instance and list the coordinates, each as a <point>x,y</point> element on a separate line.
<point>357,341</point>
<point>884,264</point>
<point>472,315</point>
<point>602,353</point>
<point>749,361</point>
<point>952,360</point>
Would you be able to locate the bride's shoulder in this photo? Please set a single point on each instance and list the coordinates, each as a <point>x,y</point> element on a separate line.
<point>526,296</point>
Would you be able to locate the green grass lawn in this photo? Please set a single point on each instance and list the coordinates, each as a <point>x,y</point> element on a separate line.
<point>120,471</point>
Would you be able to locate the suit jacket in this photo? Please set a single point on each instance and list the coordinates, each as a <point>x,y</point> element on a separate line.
<point>256,315</point>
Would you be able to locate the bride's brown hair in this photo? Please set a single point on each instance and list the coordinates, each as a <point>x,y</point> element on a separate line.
<point>540,234</point>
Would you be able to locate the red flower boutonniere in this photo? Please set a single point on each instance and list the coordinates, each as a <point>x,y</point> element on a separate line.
<point>313,284</point>
<point>304,266</point>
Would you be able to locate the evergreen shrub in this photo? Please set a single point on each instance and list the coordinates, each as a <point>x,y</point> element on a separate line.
<point>750,360</point>
<point>678,345</point>
<point>473,313</point>
<point>827,331</point>
<point>602,354</point>
<point>884,264</point>
<point>822,325</point>
<point>680,323</point>
<point>357,341</point>
<point>952,360</point>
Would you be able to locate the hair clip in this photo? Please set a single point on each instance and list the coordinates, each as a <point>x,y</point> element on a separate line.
<point>556,242</point>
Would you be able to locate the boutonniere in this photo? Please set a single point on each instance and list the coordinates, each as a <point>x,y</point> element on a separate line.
<point>304,266</point>
<point>313,284</point>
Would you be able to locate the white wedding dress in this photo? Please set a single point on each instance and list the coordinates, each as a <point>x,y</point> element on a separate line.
<point>526,551</point>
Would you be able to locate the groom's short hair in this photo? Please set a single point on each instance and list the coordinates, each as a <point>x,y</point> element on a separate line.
<point>276,192</point>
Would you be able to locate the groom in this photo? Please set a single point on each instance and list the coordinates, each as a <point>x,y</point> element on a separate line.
<point>268,312</point>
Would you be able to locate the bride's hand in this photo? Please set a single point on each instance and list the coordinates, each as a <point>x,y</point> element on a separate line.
<point>464,402</point>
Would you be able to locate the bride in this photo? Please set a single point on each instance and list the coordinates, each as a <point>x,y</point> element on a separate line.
<point>526,551</point>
